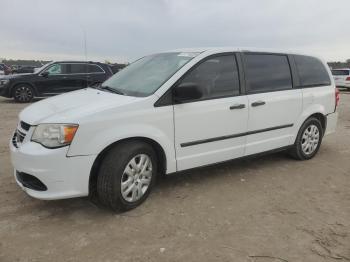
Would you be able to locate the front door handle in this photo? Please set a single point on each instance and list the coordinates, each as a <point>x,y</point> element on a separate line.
<point>258,103</point>
<point>237,106</point>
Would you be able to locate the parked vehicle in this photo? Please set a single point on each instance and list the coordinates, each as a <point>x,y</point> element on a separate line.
<point>54,78</point>
<point>4,69</point>
<point>117,67</point>
<point>23,69</point>
<point>170,112</point>
<point>342,77</point>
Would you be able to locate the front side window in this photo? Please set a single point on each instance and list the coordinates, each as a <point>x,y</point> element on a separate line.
<point>265,72</point>
<point>216,77</point>
<point>55,69</point>
<point>340,72</point>
<point>311,71</point>
<point>144,76</point>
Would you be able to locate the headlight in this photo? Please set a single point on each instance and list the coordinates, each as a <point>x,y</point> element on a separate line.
<point>54,135</point>
<point>4,82</point>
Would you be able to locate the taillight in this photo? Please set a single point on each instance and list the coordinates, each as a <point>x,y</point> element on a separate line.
<point>348,78</point>
<point>337,97</point>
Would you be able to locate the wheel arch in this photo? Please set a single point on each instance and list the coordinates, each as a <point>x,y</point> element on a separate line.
<point>318,114</point>
<point>322,118</point>
<point>160,152</point>
<point>21,83</point>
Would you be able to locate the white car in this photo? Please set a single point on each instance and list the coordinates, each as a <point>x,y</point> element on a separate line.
<point>169,112</point>
<point>341,77</point>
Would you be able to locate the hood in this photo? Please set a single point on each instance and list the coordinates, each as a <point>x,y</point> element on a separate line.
<point>16,76</point>
<point>71,107</point>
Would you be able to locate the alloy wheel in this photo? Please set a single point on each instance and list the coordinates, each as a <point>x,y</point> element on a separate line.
<point>136,178</point>
<point>23,94</point>
<point>310,139</point>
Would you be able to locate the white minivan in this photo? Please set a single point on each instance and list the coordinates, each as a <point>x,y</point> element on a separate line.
<point>169,112</point>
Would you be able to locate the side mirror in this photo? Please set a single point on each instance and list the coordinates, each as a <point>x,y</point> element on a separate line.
<point>45,74</point>
<point>186,92</point>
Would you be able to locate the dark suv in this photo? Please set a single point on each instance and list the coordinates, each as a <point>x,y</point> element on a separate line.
<point>54,78</point>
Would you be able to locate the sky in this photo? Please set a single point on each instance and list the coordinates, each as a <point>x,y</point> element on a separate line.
<point>124,30</point>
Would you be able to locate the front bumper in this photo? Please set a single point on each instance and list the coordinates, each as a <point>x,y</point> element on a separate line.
<point>4,91</point>
<point>64,177</point>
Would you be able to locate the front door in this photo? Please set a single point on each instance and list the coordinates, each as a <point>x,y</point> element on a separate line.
<point>274,105</point>
<point>211,129</point>
<point>54,80</point>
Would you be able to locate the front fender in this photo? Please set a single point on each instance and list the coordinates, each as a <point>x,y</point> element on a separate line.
<point>85,144</point>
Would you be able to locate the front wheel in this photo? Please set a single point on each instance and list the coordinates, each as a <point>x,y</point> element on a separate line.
<point>308,140</point>
<point>23,93</point>
<point>127,175</point>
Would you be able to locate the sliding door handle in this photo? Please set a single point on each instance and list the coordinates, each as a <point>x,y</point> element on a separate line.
<point>259,103</point>
<point>237,106</point>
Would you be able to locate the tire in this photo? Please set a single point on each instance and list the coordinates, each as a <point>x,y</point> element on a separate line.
<point>23,93</point>
<point>310,132</point>
<point>119,177</point>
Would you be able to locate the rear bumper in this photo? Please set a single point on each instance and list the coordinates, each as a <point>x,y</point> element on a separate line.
<point>332,120</point>
<point>63,177</point>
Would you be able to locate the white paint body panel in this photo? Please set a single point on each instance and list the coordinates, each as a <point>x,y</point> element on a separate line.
<point>105,118</point>
<point>209,119</point>
<point>281,108</point>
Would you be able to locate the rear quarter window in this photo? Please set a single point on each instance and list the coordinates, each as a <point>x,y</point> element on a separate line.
<point>311,71</point>
<point>95,69</point>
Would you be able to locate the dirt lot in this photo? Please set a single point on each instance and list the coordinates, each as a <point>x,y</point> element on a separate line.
<point>271,208</point>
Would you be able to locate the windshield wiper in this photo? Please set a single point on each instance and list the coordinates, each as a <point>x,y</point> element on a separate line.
<point>113,90</point>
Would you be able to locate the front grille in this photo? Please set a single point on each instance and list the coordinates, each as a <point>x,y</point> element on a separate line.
<point>20,133</point>
<point>14,140</point>
<point>18,138</point>
<point>25,126</point>
<point>30,181</point>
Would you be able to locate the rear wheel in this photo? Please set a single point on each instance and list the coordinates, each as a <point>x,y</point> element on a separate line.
<point>308,140</point>
<point>127,175</point>
<point>23,93</point>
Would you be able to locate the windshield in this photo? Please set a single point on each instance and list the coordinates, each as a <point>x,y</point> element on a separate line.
<point>37,70</point>
<point>146,75</point>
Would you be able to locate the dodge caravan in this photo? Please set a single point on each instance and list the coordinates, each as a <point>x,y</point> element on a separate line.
<point>169,112</point>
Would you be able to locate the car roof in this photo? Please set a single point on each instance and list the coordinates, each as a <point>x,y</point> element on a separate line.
<point>77,61</point>
<point>235,49</point>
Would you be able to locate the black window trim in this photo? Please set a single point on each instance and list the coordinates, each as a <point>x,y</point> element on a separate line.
<point>291,65</point>
<point>167,98</point>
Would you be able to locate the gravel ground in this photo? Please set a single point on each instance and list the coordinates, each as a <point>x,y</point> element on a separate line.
<point>270,208</point>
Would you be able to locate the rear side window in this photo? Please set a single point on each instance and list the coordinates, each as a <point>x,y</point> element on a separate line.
<point>311,71</point>
<point>94,69</point>
<point>217,77</point>
<point>78,68</point>
<point>265,72</point>
<point>340,72</point>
